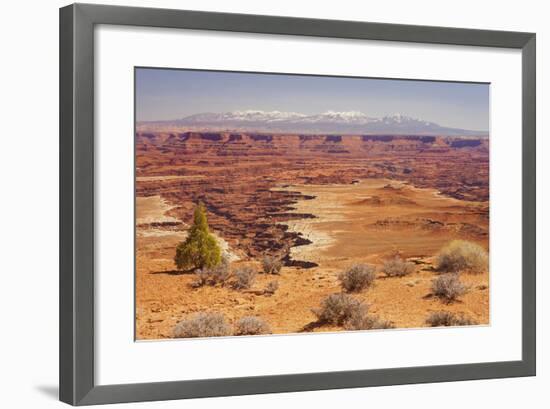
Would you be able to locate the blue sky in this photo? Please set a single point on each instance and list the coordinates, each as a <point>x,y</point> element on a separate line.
<point>171,94</point>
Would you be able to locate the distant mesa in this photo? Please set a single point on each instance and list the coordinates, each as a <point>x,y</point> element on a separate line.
<point>329,122</point>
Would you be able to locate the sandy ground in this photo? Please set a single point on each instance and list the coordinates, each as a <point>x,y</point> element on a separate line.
<point>153,209</point>
<point>364,222</point>
<point>374,218</point>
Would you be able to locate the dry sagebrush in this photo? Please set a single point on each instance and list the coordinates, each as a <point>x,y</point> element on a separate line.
<point>462,256</point>
<point>250,325</point>
<point>357,278</point>
<point>361,322</point>
<point>271,288</point>
<point>397,267</point>
<point>213,276</point>
<point>448,287</point>
<point>339,308</point>
<point>243,277</point>
<point>203,324</point>
<point>448,319</point>
<point>271,265</point>
<point>345,310</point>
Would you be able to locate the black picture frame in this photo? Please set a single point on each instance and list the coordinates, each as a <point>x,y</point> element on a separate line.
<point>77,385</point>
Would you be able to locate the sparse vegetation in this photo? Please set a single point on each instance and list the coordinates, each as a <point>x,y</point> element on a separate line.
<point>397,267</point>
<point>251,326</point>
<point>213,276</point>
<point>448,287</point>
<point>271,265</point>
<point>244,277</point>
<point>201,278</point>
<point>200,249</point>
<point>271,288</point>
<point>462,256</point>
<point>365,321</point>
<point>221,272</point>
<point>448,319</point>
<point>339,308</point>
<point>204,324</point>
<point>357,278</point>
<point>345,310</point>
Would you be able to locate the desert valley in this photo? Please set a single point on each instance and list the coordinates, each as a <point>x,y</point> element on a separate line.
<point>318,204</point>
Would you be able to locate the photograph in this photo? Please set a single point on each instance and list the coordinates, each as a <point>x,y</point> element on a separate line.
<point>275,203</point>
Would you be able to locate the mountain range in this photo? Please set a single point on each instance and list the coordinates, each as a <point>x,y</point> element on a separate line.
<point>330,122</point>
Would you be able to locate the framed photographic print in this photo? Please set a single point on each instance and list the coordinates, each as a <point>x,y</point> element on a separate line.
<point>254,204</point>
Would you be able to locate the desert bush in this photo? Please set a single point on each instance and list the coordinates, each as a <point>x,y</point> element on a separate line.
<point>220,273</point>
<point>364,321</point>
<point>378,323</point>
<point>448,319</point>
<point>271,288</point>
<point>397,267</point>
<point>201,278</point>
<point>244,278</point>
<point>339,308</point>
<point>200,249</point>
<point>271,265</point>
<point>217,275</point>
<point>203,324</point>
<point>357,278</point>
<point>448,287</point>
<point>461,255</point>
<point>251,326</point>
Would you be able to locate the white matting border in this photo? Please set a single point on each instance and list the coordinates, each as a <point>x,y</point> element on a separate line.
<point>121,360</point>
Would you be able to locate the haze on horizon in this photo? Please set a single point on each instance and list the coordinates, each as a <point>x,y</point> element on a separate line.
<point>168,94</point>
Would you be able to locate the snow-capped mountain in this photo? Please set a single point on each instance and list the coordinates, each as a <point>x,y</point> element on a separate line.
<point>245,116</point>
<point>351,122</point>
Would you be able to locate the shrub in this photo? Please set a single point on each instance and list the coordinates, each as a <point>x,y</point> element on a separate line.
<point>378,323</point>
<point>357,278</point>
<point>461,255</point>
<point>200,249</point>
<point>251,326</point>
<point>448,319</point>
<point>271,288</point>
<point>244,278</point>
<point>397,267</point>
<point>212,276</point>
<point>201,278</point>
<point>448,287</point>
<point>271,265</point>
<point>220,273</point>
<point>339,308</point>
<point>364,321</point>
<point>204,324</point>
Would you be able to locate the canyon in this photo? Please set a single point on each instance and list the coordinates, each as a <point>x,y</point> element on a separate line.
<point>319,202</point>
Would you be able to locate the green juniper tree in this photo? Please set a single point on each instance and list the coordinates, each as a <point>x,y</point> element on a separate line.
<point>200,249</point>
